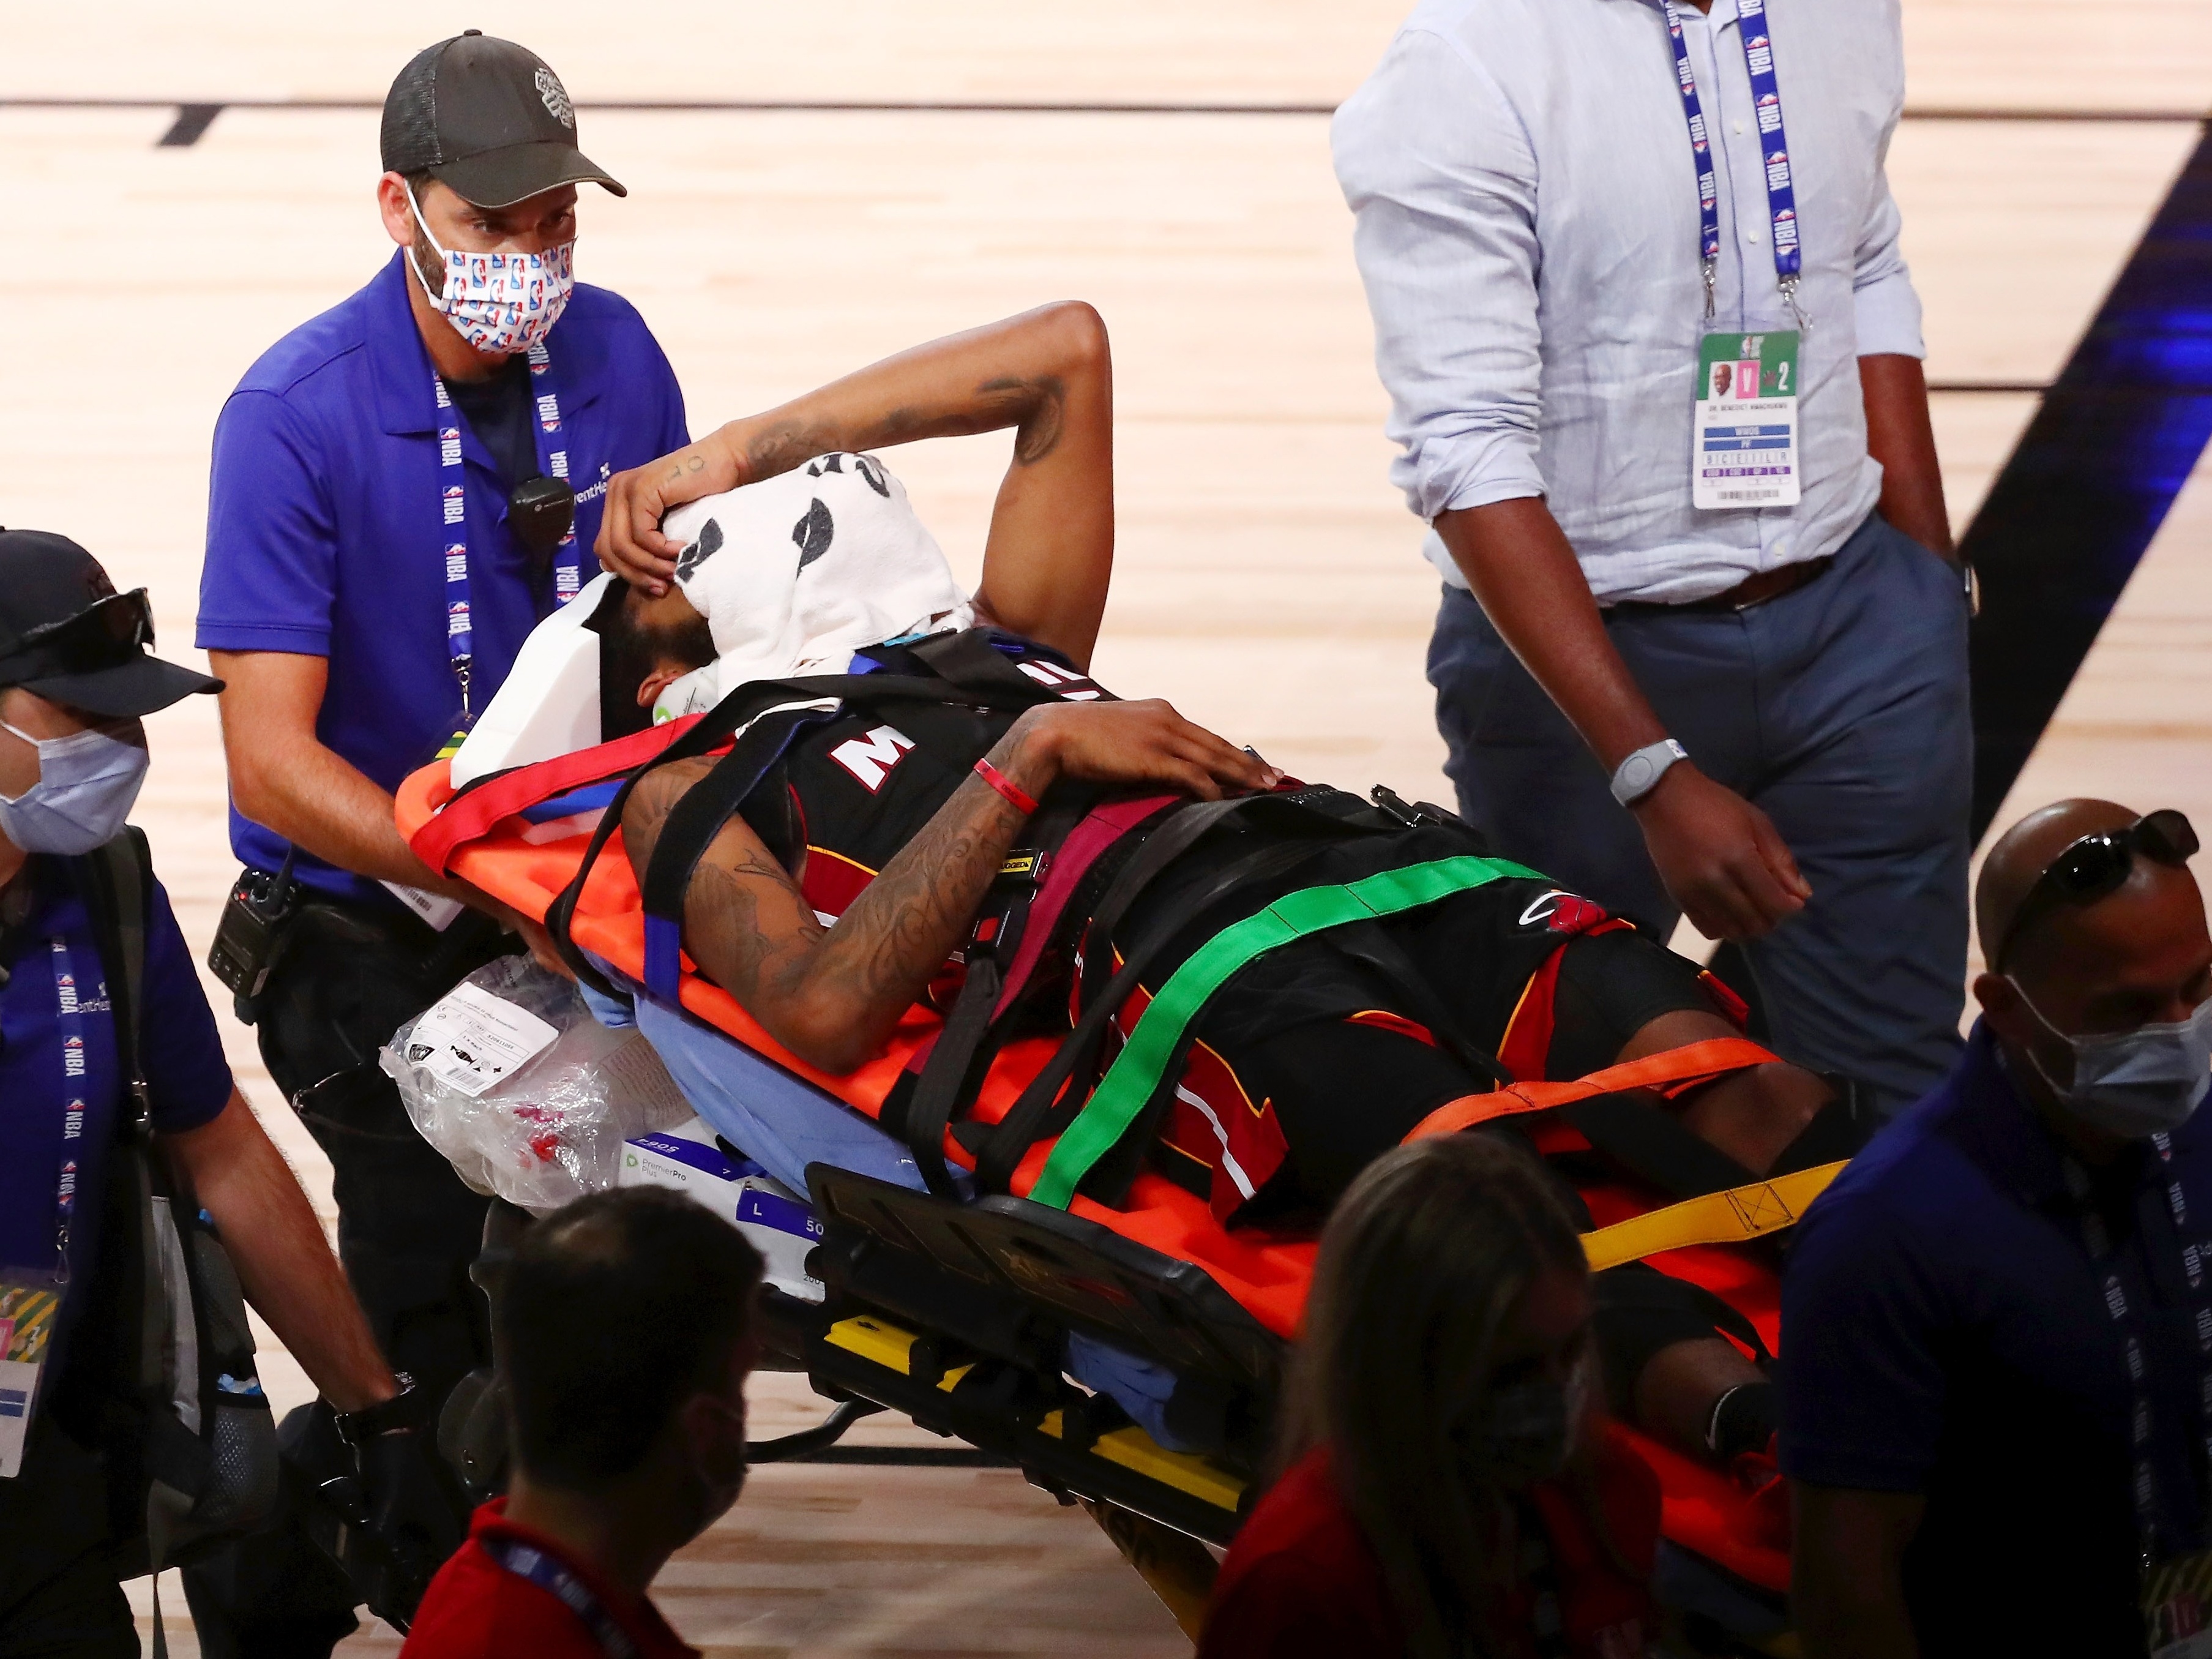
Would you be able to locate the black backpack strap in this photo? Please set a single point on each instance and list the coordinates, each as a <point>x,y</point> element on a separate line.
<point>117,880</point>
<point>692,825</point>
<point>970,1038</point>
<point>970,661</point>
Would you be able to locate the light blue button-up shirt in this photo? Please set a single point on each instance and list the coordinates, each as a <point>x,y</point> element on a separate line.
<point>1526,223</point>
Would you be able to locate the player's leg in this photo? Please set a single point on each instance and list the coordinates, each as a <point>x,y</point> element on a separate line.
<point>1333,1095</point>
<point>1619,997</point>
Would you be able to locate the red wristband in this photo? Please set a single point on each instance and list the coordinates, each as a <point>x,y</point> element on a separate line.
<point>1006,785</point>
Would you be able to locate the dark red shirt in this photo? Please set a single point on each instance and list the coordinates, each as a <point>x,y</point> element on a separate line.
<point>1302,1581</point>
<point>475,1609</point>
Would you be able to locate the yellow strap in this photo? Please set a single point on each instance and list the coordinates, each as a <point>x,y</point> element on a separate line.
<point>1726,1217</point>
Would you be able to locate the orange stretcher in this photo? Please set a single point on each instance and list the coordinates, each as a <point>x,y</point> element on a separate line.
<point>1160,1272</point>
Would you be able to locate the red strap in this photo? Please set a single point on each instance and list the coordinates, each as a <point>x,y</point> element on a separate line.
<point>1696,1062</point>
<point>1099,829</point>
<point>472,816</point>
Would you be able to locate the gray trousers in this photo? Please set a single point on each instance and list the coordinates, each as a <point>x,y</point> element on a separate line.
<point>1841,709</point>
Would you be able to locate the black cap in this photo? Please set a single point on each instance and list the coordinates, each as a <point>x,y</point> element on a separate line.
<point>487,118</point>
<point>66,634</point>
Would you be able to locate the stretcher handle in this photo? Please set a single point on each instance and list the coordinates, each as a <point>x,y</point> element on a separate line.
<point>1695,1062</point>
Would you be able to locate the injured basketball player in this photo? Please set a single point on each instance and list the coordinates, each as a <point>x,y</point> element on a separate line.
<point>842,888</point>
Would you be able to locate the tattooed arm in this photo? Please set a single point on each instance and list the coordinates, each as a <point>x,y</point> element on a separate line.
<point>1047,374</point>
<point>831,995</point>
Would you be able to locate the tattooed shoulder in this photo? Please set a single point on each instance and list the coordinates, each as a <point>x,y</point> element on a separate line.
<point>651,801</point>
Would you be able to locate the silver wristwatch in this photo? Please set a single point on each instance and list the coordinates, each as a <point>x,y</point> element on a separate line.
<point>1639,775</point>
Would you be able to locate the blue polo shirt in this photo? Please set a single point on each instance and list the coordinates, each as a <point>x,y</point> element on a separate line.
<point>326,535</point>
<point>1943,1334</point>
<point>185,1069</point>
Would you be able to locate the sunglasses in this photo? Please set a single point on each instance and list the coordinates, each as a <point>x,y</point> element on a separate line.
<point>2097,865</point>
<point>106,634</point>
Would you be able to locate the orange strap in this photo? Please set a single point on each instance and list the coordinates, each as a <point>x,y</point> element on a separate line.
<point>1696,1062</point>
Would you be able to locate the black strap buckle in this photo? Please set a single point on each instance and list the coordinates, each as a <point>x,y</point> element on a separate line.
<point>1021,876</point>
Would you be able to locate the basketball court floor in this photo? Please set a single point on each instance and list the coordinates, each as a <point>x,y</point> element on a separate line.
<point>1267,581</point>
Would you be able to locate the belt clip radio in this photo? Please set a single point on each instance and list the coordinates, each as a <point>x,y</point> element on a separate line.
<point>247,936</point>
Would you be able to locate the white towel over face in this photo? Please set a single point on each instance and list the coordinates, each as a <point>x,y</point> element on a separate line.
<point>796,573</point>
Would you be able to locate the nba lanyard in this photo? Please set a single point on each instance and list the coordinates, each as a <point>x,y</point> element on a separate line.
<point>1774,147</point>
<point>453,506</point>
<point>2158,1213</point>
<point>540,1568</point>
<point>69,1023</point>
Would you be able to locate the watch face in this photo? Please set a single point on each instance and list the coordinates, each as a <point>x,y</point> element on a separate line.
<point>1638,772</point>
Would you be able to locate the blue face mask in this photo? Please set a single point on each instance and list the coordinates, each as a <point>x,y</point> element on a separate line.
<point>87,783</point>
<point>2135,1084</point>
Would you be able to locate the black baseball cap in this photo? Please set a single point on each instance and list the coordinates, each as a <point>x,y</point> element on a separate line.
<point>66,634</point>
<point>487,118</point>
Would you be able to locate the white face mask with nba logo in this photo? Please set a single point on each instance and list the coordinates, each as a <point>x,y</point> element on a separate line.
<point>500,302</point>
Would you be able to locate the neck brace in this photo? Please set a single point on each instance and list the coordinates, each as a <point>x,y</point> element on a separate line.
<point>549,704</point>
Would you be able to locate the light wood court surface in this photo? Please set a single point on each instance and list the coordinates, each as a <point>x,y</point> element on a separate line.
<point>1268,579</point>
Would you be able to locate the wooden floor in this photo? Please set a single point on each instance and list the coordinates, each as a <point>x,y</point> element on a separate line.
<point>1268,579</point>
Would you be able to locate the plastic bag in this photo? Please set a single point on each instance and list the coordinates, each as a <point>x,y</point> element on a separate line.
<point>527,1096</point>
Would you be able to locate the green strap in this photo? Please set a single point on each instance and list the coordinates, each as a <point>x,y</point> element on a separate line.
<point>1136,1072</point>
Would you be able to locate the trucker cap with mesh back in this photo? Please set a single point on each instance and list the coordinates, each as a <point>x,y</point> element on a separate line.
<point>487,118</point>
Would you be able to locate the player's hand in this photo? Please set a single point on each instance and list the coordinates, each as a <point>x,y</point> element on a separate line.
<point>630,543</point>
<point>1127,742</point>
<point>1721,858</point>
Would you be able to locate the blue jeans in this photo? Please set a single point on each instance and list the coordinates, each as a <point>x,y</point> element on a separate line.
<point>1841,709</point>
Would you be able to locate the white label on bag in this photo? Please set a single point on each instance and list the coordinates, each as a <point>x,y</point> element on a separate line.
<point>471,1040</point>
<point>434,908</point>
<point>18,1396</point>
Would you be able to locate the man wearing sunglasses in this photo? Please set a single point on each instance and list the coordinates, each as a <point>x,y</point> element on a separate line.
<point>1998,1319</point>
<point>75,676</point>
<point>403,486</point>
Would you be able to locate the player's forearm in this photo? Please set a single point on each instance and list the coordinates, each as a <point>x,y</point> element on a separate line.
<point>1010,374</point>
<point>284,1263</point>
<point>1524,572</point>
<point>834,1000</point>
<point>831,995</point>
<point>1900,436</point>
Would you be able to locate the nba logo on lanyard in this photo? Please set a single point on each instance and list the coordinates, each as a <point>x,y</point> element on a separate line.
<point>1744,425</point>
<point>452,501</point>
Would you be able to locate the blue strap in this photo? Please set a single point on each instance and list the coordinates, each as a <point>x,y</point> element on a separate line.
<point>695,820</point>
